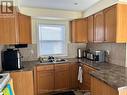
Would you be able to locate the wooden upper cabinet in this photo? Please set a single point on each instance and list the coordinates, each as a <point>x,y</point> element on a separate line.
<point>72,30</point>
<point>78,30</point>
<point>99,27</point>
<point>15,28</point>
<point>115,23</point>
<point>90,28</point>
<point>8,29</point>
<point>121,34</point>
<point>24,29</point>
<point>110,24</point>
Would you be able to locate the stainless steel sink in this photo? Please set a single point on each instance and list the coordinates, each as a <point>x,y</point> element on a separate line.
<point>52,60</point>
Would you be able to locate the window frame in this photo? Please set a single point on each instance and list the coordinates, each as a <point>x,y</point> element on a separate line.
<point>65,53</point>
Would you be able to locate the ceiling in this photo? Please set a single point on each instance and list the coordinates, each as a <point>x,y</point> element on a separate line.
<point>73,5</point>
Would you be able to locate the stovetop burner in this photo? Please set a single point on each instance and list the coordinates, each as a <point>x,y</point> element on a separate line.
<point>1,76</point>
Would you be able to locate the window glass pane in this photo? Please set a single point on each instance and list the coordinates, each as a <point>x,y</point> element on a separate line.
<point>51,33</point>
<point>52,40</point>
<point>49,48</point>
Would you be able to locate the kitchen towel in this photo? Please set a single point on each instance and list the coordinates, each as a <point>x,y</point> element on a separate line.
<point>80,72</point>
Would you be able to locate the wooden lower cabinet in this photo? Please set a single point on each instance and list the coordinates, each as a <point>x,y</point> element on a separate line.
<point>45,82</point>
<point>73,73</point>
<point>44,79</point>
<point>51,78</point>
<point>61,77</point>
<point>86,85</point>
<point>23,82</point>
<point>66,76</point>
<point>100,88</point>
<point>61,80</point>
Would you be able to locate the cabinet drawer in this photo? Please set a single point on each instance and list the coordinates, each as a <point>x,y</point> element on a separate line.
<point>73,67</point>
<point>61,67</point>
<point>45,67</point>
<point>88,68</point>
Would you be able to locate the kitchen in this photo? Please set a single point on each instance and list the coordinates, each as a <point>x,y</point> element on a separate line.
<point>46,40</point>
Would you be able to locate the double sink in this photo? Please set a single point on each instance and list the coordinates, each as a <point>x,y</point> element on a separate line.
<point>51,59</point>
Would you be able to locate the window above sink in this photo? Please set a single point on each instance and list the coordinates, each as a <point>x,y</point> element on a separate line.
<point>52,40</point>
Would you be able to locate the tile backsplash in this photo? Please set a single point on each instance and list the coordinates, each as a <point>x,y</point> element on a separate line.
<point>117,52</point>
<point>30,53</point>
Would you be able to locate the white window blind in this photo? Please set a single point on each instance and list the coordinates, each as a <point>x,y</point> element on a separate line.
<point>52,40</point>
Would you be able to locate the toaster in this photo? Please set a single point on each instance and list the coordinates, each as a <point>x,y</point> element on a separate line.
<point>99,55</point>
<point>90,56</point>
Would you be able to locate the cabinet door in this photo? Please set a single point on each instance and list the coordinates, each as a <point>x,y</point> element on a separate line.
<point>100,88</point>
<point>61,80</point>
<point>90,29</point>
<point>79,30</point>
<point>73,75</point>
<point>99,27</point>
<point>86,77</point>
<point>72,30</point>
<point>8,29</point>
<point>45,82</point>
<point>61,76</point>
<point>44,79</point>
<point>23,82</point>
<point>24,29</point>
<point>110,24</point>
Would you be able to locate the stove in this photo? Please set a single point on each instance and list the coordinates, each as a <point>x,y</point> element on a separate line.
<point>4,78</point>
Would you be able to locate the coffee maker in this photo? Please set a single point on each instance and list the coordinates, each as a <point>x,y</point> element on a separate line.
<point>11,59</point>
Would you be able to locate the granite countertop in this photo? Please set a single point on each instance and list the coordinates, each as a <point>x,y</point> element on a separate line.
<point>113,75</point>
<point>29,65</point>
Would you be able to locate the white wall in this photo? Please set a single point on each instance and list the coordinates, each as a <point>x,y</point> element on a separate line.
<point>102,4</point>
<point>122,0</point>
<point>50,13</point>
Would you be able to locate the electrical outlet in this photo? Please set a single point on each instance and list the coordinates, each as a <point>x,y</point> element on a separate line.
<point>32,51</point>
<point>108,52</point>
